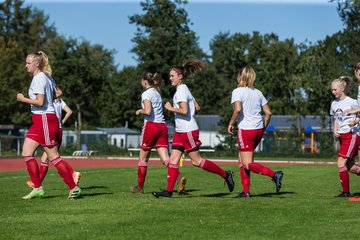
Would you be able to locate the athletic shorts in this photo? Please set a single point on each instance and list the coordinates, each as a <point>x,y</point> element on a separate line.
<point>187,140</point>
<point>154,135</point>
<point>248,139</point>
<point>349,143</point>
<point>44,129</point>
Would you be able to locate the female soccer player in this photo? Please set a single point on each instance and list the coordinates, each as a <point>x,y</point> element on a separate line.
<point>45,125</point>
<point>347,133</point>
<point>154,132</point>
<point>59,106</point>
<point>186,137</point>
<point>247,103</point>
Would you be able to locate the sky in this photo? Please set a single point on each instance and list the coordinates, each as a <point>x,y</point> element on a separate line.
<point>106,22</point>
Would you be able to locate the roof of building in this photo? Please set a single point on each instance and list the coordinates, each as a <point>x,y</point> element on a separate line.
<point>286,122</point>
<point>119,130</point>
<point>208,122</point>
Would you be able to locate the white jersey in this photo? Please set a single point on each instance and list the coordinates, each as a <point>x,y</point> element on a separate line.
<point>342,120</point>
<point>184,123</point>
<point>252,101</point>
<point>156,114</point>
<point>358,96</point>
<point>59,105</point>
<point>42,84</point>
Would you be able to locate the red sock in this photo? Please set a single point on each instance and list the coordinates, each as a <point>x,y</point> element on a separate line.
<point>43,170</point>
<point>33,170</point>
<point>212,167</point>
<point>142,169</point>
<point>71,170</point>
<point>173,171</point>
<point>64,172</point>
<point>166,164</point>
<point>245,178</point>
<point>260,169</point>
<point>344,179</point>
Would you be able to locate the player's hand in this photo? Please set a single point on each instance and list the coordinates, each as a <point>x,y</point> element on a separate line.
<point>349,112</point>
<point>231,129</point>
<point>20,97</point>
<point>353,123</point>
<point>167,106</point>
<point>138,112</point>
<point>336,134</point>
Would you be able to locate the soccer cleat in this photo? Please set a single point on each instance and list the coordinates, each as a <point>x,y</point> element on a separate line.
<point>181,186</point>
<point>76,177</point>
<point>36,192</point>
<point>229,179</point>
<point>165,194</point>
<point>344,195</point>
<point>30,184</point>
<point>136,189</point>
<point>277,179</point>
<point>74,193</point>
<point>244,195</point>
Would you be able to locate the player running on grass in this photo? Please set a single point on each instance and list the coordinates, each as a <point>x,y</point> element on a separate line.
<point>348,135</point>
<point>59,106</point>
<point>154,132</point>
<point>45,126</point>
<point>186,137</point>
<point>247,103</point>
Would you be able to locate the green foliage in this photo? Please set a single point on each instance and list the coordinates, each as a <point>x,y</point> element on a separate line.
<point>163,38</point>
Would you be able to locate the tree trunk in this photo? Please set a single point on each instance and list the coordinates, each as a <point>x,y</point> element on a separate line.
<point>78,129</point>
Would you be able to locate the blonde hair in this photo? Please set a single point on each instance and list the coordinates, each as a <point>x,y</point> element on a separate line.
<point>189,69</point>
<point>342,81</point>
<point>43,60</point>
<point>246,77</point>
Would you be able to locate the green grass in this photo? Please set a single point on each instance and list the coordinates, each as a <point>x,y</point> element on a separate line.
<point>306,208</point>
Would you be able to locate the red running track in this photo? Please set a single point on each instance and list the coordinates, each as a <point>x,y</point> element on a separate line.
<point>18,164</point>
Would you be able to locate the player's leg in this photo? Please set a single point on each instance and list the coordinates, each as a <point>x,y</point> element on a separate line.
<point>29,147</point>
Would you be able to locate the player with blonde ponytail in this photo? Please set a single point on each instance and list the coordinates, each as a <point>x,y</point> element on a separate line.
<point>45,125</point>
<point>347,134</point>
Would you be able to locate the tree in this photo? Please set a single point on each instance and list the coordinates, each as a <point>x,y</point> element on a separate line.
<point>349,12</point>
<point>22,31</point>
<point>163,37</point>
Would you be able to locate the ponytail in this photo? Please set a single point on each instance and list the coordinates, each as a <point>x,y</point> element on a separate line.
<point>154,79</point>
<point>189,69</point>
<point>343,81</point>
<point>43,61</point>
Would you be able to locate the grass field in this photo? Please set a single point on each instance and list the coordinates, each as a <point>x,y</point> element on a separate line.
<point>305,209</point>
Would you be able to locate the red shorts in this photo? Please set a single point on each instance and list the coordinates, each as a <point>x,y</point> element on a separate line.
<point>188,140</point>
<point>349,143</point>
<point>154,135</point>
<point>44,129</point>
<point>248,139</point>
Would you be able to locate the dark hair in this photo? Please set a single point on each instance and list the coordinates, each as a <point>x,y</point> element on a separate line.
<point>189,68</point>
<point>154,79</point>
<point>357,66</point>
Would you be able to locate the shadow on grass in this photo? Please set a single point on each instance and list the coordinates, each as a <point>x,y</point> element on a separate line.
<point>272,194</point>
<point>93,187</point>
<point>215,195</point>
<point>95,194</point>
